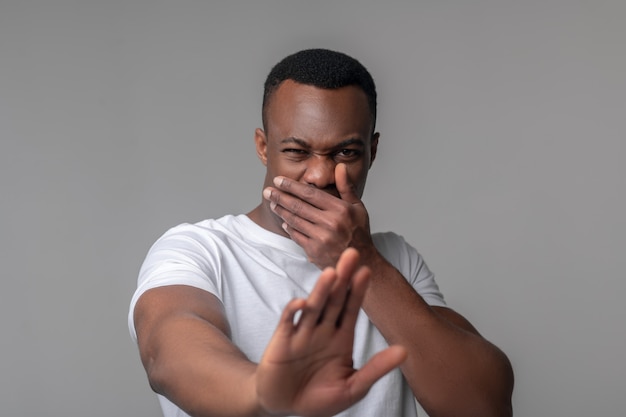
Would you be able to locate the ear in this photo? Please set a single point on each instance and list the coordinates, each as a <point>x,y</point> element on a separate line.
<point>260,141</point>
<point>373,147</point>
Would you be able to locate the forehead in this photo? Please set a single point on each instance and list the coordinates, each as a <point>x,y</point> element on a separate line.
<point>308,112</point>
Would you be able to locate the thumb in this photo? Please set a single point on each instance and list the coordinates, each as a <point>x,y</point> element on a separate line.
<point>343,184</point>
<point>380,364</point>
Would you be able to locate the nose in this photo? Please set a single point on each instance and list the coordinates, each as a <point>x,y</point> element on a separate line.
<point>320,171</point>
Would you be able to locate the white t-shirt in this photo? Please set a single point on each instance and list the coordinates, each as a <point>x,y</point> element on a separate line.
<point>255,273</point>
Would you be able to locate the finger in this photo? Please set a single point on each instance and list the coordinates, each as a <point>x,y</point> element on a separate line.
<point>338,296</point>
<point>314,307</point>
<point>379,365</point>
<point>348,263</point>
<point>286,323</point>
<point>297,236</point>
<point>354,300</point>
<point>319,226</point>
<point>344,186</point>
<point>308,193</point>
<point>298,212</point>
<point>294,221</point>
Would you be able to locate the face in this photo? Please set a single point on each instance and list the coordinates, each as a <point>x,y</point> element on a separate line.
<point>310,130</point>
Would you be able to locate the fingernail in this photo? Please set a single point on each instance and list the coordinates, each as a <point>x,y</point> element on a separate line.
<point>278,181</point>
<point>285,227</point>
<point>267,193</point>
<point>272,205</point>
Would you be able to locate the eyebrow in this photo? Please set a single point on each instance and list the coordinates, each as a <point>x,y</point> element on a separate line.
<point>342,144</point>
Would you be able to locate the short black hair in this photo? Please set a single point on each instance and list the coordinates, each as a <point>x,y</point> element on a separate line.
<point>321,68</point>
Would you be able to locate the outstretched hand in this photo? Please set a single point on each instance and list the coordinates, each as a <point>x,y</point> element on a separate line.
<point>307,367</point>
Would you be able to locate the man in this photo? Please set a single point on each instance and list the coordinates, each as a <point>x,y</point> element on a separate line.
<point>296,308</point>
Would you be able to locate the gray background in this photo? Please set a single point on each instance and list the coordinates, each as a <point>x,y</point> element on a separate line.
<point>501,159</point>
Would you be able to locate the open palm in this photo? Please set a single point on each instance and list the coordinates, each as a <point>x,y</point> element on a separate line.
<point>307,368</point>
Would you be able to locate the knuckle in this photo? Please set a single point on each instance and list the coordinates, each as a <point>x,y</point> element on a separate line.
<point>344,211</point>
<point>308,191</point>
<point>294,222</point>
<point>326,239</point>
<point>322,239</point>
<point>296,206</point>
<point>285,215</point>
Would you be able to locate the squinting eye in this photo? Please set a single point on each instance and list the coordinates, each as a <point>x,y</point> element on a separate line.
<point>349,152</point>
<point>295,154</point>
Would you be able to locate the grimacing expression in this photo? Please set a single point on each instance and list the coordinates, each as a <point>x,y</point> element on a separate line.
<point>310,130</point>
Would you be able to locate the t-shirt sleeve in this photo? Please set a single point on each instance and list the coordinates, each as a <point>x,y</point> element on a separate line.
<point>411,265</point>
<point>179,257</point>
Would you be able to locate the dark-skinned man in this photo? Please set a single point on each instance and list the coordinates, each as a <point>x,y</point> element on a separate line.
<point>296,308</point>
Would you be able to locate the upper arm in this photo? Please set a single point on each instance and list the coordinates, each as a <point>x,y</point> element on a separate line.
<point>177,301</point>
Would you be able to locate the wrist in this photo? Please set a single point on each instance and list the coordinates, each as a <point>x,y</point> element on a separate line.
<point>258,406</point>
<point>255,406</point>
<point>372,258</point>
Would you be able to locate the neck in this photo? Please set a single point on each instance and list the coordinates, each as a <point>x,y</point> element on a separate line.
<point>265,217</point>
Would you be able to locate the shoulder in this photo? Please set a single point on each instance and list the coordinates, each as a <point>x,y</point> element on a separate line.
<point>189,254</point>
<point>205,227</point>
<point>387,240</point>
<point>194,236</point>
<point>395,249</point>
<point>404,257</point>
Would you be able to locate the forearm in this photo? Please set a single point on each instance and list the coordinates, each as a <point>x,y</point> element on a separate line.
<point>451,369</point>
<point>205,376</point>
